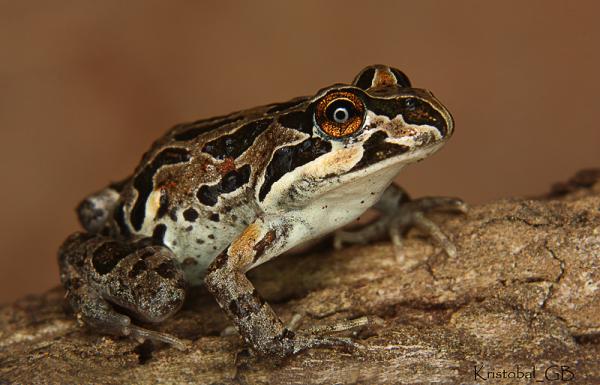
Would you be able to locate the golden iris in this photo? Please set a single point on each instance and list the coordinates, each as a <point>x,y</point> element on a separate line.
<point>340,113</point>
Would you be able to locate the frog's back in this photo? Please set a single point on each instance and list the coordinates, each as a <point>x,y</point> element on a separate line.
<point>196,188</point>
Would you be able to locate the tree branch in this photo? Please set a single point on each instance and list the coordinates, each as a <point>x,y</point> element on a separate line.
<point>523,291</point>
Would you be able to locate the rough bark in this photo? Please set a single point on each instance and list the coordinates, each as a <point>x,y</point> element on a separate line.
<point>523,292</point>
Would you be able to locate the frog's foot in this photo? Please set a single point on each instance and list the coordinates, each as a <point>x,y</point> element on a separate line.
<point>312,337</point>
<point>294,341</point>
<point>319,336</point>
<point>302,341</point>
<point>339,326</point>
<point>98,314</point>
<point>295,322</point>
<point>345,325</point>
<point>142,334</point>
<point>396,221</point>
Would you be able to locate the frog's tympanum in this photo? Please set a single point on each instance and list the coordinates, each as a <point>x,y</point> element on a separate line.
<point>214,198</point>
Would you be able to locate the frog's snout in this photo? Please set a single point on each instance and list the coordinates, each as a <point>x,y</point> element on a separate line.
<point>435,114</point>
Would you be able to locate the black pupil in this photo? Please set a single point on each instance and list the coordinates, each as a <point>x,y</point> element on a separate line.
<point>340,111</point>
<point>340,114</point>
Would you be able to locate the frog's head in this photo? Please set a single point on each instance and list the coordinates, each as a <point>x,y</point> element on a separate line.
<point>368,129</point>
<point>382,117</point>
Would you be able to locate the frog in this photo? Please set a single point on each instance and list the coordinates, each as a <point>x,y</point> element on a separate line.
<point>214,198</point>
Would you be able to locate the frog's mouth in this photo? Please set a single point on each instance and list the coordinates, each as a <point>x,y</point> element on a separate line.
<point>375,177</point>
<point>382,151</point>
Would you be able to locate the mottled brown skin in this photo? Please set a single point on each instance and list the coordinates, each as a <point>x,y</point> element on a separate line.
<point>214,198</point>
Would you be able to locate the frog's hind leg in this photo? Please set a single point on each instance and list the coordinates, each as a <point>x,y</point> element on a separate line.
<point>398,214</point>
<point>142,279</point>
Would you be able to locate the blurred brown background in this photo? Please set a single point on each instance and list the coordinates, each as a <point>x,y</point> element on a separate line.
<point>86,86</point>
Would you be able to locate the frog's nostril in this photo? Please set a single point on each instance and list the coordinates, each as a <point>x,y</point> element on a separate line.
<point>409,103</point>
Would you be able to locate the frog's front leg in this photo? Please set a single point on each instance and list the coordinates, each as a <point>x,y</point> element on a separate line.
<point>253,317</point>
<point>143,279</point>
<point>398,214</point>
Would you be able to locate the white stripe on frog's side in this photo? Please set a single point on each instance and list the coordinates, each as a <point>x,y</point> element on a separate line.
<point>402,133</point>
<point>295,187</point>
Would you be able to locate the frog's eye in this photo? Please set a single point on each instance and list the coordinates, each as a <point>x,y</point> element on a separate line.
<point>379,75</point>
<point>340,114</point>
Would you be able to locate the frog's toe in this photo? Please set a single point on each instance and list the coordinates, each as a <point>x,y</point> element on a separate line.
<point>228,331</point>
<point>294,322</point>
<point>342,237</point>
<point>142,334</point>
<point>344,325</point>
<point>427,204</point>
<point>430,228</point>
<point>366,234</point>
<point>96,313</point>
<point>294,343</point>
<point>412,214</point>
<point>321,341</point>
<point>100,316</point>
<point>318,336</point>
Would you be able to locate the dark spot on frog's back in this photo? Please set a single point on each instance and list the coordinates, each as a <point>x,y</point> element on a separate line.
<point>288,158</point>
<point>377,149</point>
<point>234,144</point>
<point>158,235</point>
<point>233,180</point>
<point>143,180</point>
<point>138,268</point>
<point>119,217</point>
<point>190,215</point>
<point>108,255</point>
<point>298,120</point>
<point>166,269</point>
